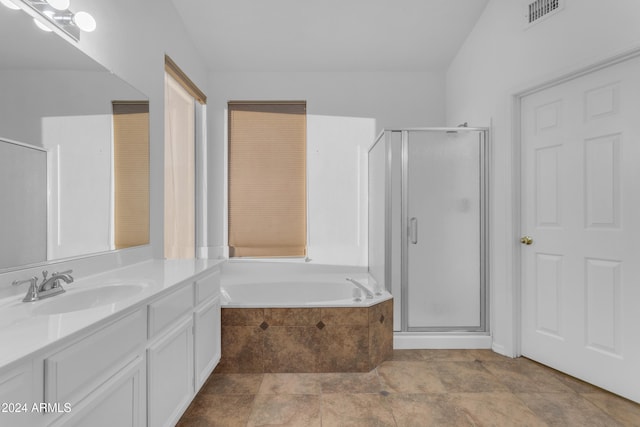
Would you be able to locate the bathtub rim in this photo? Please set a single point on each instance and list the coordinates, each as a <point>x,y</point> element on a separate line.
<point>365,303</point>
<point>226,300</point>
<point>267,271</point>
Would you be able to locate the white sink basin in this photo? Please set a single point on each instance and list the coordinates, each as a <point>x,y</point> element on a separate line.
<point>83,299</point>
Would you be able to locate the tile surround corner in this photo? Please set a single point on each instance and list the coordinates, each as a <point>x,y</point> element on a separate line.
<point>281,340</point>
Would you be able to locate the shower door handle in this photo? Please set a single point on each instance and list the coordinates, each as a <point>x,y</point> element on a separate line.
<point>413,230</point>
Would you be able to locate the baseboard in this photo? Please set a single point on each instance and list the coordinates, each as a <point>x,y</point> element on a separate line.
<point>404,341</point>
<point>499,348</point>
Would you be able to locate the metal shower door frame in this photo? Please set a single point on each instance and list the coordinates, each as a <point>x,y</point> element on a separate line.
<point>483,133</point>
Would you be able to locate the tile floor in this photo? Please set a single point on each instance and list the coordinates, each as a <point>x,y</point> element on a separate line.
<point>416,388</point>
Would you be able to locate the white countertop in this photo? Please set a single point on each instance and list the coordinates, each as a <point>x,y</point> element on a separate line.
<point>25,333</point>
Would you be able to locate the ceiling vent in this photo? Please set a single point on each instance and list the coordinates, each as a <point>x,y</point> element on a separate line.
<point>540,10</point>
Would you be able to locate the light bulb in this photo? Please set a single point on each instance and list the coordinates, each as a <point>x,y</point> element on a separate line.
<point>84,21</point>
<point>59,4</point>
<point>10,4</point>
<point>42,26</point>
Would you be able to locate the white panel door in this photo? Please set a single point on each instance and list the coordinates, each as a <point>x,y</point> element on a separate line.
<point>581,207</point>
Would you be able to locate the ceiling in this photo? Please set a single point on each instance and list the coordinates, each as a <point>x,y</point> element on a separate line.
<point>332,35</point>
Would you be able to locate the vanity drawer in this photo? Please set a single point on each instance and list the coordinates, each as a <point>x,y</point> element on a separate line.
<point>169,308</point>
<point>207,287</point>
<point>72,373</point>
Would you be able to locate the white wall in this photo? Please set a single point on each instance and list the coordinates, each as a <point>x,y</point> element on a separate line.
<point>345,111</point>
<point>501,58</point>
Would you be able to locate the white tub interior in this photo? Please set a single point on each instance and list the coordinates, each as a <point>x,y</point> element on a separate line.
<point>281,284</point>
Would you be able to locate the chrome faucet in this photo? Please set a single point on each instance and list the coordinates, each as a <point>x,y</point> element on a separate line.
<point>48,288</point>
<point>367,292</point>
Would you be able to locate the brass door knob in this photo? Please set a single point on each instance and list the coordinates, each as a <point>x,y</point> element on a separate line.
<point>526,240</point>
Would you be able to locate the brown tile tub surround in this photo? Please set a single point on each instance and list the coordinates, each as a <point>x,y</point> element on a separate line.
<point>419,388</point>
<point>298,340</point>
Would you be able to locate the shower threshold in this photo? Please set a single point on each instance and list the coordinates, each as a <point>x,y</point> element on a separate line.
<point>438,340</point>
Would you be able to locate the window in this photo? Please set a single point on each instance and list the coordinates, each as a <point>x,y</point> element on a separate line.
<point>267,179</point>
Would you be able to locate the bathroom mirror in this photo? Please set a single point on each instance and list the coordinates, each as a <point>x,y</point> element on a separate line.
<point>74,141</point>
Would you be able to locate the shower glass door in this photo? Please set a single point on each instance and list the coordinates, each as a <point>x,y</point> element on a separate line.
<point>444,218</point>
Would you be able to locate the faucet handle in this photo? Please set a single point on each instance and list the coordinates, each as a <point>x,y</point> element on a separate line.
<point>44,275</point>
<point>31,280</point>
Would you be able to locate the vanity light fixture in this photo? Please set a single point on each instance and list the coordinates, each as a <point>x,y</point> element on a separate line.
<point>57,12</point>
<point>10,4</point>
<point>85,21</point>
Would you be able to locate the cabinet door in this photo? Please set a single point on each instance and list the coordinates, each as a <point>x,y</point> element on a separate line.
<point>119,402</point>
<point>170,382</point>
<point>207,340</point>
<point>74,372</point>
<point>17,397</point>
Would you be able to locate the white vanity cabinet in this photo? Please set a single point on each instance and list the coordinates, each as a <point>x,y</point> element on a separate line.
<point>184,337</point>
<point>139,367</point>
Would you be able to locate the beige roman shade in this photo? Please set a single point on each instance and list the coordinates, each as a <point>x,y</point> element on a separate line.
<point>179,171</point>
<point>181,119</point>
<point>131,173</point>
<point>267,179</point>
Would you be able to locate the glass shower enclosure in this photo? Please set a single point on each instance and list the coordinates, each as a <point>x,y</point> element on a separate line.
<point>428,226</point>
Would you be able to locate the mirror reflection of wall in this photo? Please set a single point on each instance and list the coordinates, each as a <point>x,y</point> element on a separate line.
<point>57,99</point>
<point>23,206</point>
